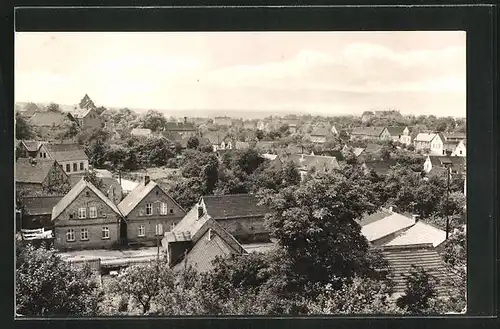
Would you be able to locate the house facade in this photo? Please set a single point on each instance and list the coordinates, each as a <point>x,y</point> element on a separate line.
<point>148,213</point>
<point>219,141</point>
<point>29,149</point>
<point>455,149</point>
<point>400,134</point>
<point>373,133</point>
<point>319,135</point>
<point>432,142</point>
<point>85,219</point>
<point>71,157</point>
<point>87,118</point>
<point>39,177</point>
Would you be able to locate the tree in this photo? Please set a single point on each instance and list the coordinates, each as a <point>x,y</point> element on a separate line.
<point>100,110</point>
<point>259,134</point>
<point>153,120</point>
<point>91,177</point>
<point>420,289</point>
<point>193,142</point>
<point>316,224</point>
<point>23,128</point>
<point>144,282</point>
<point>87,103</point>
<point>47,286</point>
<point>53,107</point>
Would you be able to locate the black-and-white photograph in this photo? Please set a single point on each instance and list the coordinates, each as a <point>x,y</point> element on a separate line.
<point>240,173</point>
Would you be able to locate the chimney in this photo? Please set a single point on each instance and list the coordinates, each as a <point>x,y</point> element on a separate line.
<point>200,211</point>
<point>146,180</point>
<point>415,218</point>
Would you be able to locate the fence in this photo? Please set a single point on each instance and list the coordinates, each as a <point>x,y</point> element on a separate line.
<point>36,234</point>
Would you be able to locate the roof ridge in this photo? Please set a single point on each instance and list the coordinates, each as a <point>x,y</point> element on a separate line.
<point>408,247</point>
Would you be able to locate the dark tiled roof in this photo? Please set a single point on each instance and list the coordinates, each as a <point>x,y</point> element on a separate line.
<point>373,148</point>
<point>441,161</point>
<point>41,205</point>
<point>396,131</point>
<point>333,153</point>
<point>233,205</point>
<point>66,152</point>
<point>32,146</point>
<point>48,119</point>
<point>318,162</point>
<point>381,167</point>
<point>179,126</point>
<point>320,131</point>
<point>78,113</point>
<point>33,171</point>
<point>215,137</point>
<point>367,131</point>
<point>401,259</point>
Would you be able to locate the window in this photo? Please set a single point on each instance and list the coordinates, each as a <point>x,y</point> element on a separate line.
<point>171,210</point>
<point>68,167</point>
<point>45,155</point>
<point>209,234</point>
<point>40,154</point>
<point>159,229</point>
<point>93,212</point>
<point>105,232</point>
<point>84,234</point>
<point>163,208</point>
<point>82,213</point>
<point>149,209</point>
<point>140,230</point>
<point>172,226</point>
<point>81,166</point>
<point>75,166</point>
<point>70,235</point>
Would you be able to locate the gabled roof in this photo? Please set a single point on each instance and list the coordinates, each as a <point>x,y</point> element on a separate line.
<point>232,206</point>
<point>319,162</point>
<point>384,223</point>
<point>381,167</point>
<point>396,131</point>
<point>33,170</point>
<point>333,153</point>
<point>40,205</point>
<point>75,192</point>
<point>455,136</point>
<point>141,132</point>
<point>441,161</point>
<point>269,156</point>
<point>401,259</point>
<point>32,146</point>
<point>368,131</point>
<point>424,137</point>
<point>79,113</point>
<point>357,151</point>
<point>66,152</point>
<point>418,234</point>
<point>373,148</point>
<point>48,119</point>
<point>215,137</point>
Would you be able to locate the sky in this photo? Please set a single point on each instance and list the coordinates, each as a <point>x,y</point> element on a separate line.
<point>324,73</point>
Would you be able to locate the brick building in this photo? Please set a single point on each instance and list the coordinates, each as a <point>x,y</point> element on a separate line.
<point>85,219</point>
<point>39,177</point>
<point>148,212</point>
<point>70,156</point>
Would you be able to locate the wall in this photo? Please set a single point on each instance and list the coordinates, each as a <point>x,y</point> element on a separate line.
<point>56,176</point>
<point>85,166</point>
<point>246,229</point>
<point>138,216</point>
<point>105,217</point>
<point>27,189</point>
<point>92,120</point>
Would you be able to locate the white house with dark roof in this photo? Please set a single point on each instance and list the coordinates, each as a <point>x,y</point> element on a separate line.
<point>85,219</point>
<point>71,157</point>
<point>148,212</point>
<point>434,142</point>
<point>400,134</point>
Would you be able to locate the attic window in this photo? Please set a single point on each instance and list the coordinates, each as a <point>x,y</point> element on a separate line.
<point>209,234</point>
<point>87,193</point>
<point>157,192</point>
<point>171,210</point>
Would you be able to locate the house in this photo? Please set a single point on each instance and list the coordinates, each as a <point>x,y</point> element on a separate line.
<point>455,148</point>
<point>420,233</point>
<point>148,212</point>
<point>39,177</point>
<point>375,133</point>
<point>264,146</point>
<point>319,135</point>
<point>71,157</point>
<point>87,118</point>
<point>379,167</point>
<point>438,165</point>
<point>141,132</point>
<point>183,128</point>
<point>239,214</point>
<point>317,163</point>
<point>455,137</point>
<point>384,225</point>
<point>433,142</point>
<point>269,156</point>
<point>29,149</point>
<point>28,110</point>
<point>292,125</point>
<point>197,240</point>
<point>49,119</point>
<point>250,125</point>
<point>223,121</point>
<point>334,131</point>
<point>261,125</point>
<point>85,219</point>
<point>402,258</point>
<point>36,211</point>
<point>400,134</point>
<point>241,145</point>
<point>219,140</point>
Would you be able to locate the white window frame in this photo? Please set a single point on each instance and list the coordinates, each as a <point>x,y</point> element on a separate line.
<point>93,212</point>
<point>70,235</point>
<point>149,206</point>
<point>163,208</point>
<point>172,225</point>
<point>84,234</point>
<point>141,231</point>
<point>105,232</point>
<point>159,229</point>
<point>82,213</point>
